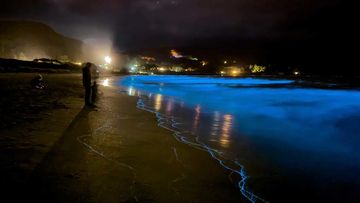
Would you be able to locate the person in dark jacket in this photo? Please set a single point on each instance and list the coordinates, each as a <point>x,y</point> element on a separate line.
<point>86,72</point>
<point>94,92</point>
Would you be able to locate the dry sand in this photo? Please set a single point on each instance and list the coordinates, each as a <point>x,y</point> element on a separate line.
<point>114,153</point>
<point>31,121</point>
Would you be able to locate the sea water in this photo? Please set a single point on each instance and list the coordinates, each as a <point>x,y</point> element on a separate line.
<point>292,144</point>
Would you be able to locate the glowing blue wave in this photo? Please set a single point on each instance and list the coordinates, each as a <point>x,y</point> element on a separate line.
<point>168,79</point>
<point>282,122</point>
<point>165,121</point>
<point>96,132</point>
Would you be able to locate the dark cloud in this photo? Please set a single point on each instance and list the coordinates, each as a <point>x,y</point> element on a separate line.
<point>175,19</point>
<point>146,24</point>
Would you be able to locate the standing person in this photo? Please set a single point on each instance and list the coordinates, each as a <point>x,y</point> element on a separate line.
<point>94,87</point>
<point>86,73</point>
<point>94,91</point>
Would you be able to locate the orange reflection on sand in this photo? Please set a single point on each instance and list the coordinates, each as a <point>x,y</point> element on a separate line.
<point>225,130</point>
<point>158,101</point>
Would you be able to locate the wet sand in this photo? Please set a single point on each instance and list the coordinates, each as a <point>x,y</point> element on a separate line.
<point>114,153</point>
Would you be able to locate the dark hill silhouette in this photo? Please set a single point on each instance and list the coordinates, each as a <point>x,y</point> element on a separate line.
<point>29,40</point>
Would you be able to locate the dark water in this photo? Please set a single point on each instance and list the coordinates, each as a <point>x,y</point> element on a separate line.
<point>290,144</point>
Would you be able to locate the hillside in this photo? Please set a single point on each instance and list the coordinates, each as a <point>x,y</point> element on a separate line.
<point>27,40</point>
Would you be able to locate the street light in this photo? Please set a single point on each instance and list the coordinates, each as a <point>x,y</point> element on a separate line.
<point>108,59</point>
<point>106,82</point>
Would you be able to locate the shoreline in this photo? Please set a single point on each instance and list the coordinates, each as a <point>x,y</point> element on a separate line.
<point>162,94</point>
<point>136,159</point>
<point>232,166</point>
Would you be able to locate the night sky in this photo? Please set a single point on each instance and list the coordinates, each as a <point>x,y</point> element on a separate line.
<point>297,32</point>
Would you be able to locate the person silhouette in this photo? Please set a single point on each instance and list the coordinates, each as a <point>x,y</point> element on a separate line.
<point>38,82</point>
<point>94,91</point>
<point>86,73</point>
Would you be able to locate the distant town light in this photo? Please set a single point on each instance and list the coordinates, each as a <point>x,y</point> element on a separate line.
<point>162,69</point>
<point>225,62</point>
<point>235,72</point>
<point>175,54</point>
<point>133,68</point>
<point>257,69</point>
<point>148,58</point>
<point>192,58</point>
<point>108,59</point>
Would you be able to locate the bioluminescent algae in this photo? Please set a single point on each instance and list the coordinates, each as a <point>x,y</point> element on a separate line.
<point>268,127</point>
<point>171,124</point>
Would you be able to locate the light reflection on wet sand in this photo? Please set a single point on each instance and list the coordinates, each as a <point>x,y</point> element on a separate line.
<point>196,119</point>
<point>221,125</point>
<point>215,126</point>
<point>158,102</point>
<point>170,123</point>
<point>225,130</point>
<point>131,91</point>
<point>170,106</point>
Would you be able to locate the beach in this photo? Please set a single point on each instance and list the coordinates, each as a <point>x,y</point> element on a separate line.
<point>113,153</point>
<point>31,122</point>
<point>154,139</point>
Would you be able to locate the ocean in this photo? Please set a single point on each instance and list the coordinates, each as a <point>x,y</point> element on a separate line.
<point>287,143</point>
